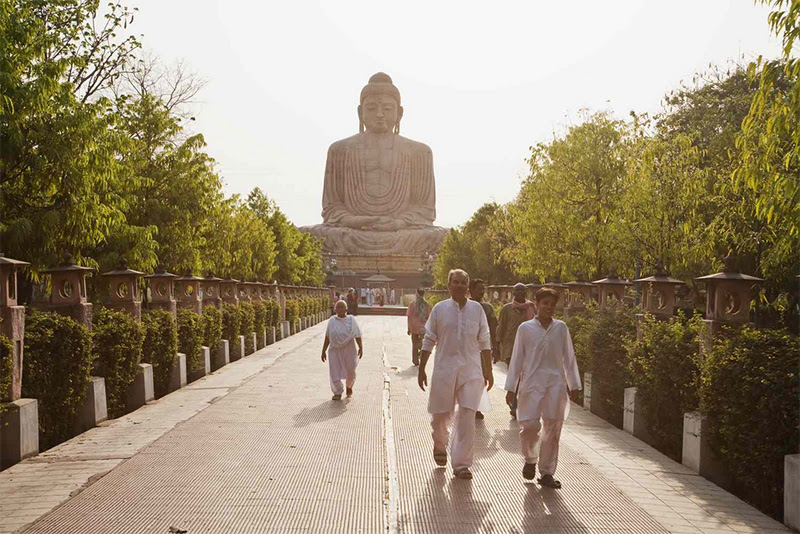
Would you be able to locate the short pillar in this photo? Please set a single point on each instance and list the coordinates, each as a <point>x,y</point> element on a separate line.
<point>696,453</point>
<point>632,419</point>
<point>270,335</point>
<point>791,491</point>
<point>206,369</point>
<point>141,391</point>
<point>222,356</point>
<point>238,348</point>
<point>285,332</point>
<point>587,391</point>
<point>177,377</point>
<point>95,408</point>
<point>19,431</point>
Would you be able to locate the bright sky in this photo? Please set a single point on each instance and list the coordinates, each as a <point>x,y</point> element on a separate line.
<point>479,84</point>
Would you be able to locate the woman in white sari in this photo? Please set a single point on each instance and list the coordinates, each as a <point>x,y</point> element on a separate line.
<point>342,336</point>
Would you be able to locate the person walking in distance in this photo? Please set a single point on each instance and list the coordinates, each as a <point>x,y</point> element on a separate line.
<point>342,336</point>
<point>477,288</point>
<point>543,370</point>
<point>417,314</point>
<point>457,327</point>
<point>512,315</point>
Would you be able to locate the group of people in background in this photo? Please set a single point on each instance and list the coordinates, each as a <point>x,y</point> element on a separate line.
<point>468,339</point>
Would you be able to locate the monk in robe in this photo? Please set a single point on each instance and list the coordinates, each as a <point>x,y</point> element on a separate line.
<point>379,195</point>
<point>343,335</point>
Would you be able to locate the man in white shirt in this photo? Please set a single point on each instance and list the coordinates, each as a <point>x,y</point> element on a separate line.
<point>542,372</point>
<point>457,327</point>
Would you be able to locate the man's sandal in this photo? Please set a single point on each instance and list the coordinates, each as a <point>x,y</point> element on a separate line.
<point>547,481</point>
<point>440,457</point>
<point>529,471</point>
<point>464,473</point>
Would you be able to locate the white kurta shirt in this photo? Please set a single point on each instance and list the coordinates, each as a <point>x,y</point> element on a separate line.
<point>459,335</point>
<point>342,351</point>
<point>542,357</point>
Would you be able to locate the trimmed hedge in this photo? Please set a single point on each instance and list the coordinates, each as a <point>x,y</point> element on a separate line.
<point>117,343</point>
<point>160,347</point>
<point>260,320</point>
<point>6,367</point>
<point>190,339</point>
<point>580,327</point>
<point>750,391</point>
<point>231,324</point>
<point>663,365</point>
<point>292,311</point>
<point>247,318</point>
<point>212,327</point>
<point>613,330</point>
<point>57,367</point>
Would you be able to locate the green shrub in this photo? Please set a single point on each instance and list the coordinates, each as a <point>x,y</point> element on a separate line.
<point>750,391</point>
<point>580,326</point>
<point>231,324</point>
<point>260,317</point>
<point>664,364</point>
<point>160,347</point>
<point>190,339</point>
<point>6,367</point>
<point>212,327</point>
<point>247,319</point>
<point>613,330</point>
<point>292,311</point>
<point>274,313</point>
<point>56,368</point>
<point>117,340</point>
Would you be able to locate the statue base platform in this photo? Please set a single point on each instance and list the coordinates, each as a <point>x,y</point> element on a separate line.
<point>407,272</point>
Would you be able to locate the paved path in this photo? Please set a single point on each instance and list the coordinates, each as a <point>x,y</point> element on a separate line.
<point>259,447</point>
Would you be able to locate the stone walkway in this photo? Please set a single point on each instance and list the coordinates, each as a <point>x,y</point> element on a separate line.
<point>259,447</point>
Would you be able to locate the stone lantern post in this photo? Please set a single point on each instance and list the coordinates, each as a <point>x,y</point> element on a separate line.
<point>580,295</point>
<point>68,294</point>
<point>658,293</point>
<point>161,291</point>
<point>212,292</point>
<point>19,418</point>
<point>188,290</point>
<point>123,285</point>
<point>612,289</point>
<point>12,324</point>
<point>727,296</point>
<point>243,291</point>
<point>561,289</point>
<point>230,292</point>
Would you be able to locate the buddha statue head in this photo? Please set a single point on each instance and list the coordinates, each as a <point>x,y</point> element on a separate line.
<point>380,111</point>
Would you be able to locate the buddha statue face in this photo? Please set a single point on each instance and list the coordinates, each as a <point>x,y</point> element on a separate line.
<point>380,113</point>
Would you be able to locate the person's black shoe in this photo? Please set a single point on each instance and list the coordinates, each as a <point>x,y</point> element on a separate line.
<point>547,481</point>
<point>478,415</point>
<point>529,471</point>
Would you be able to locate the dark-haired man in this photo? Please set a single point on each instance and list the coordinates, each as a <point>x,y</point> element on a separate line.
<point>543,370</point>
<point>477,288</point>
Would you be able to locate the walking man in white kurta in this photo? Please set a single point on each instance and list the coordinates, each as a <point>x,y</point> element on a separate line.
<point>542,372</point>
<point>457,327</point>
<point>342,336</point>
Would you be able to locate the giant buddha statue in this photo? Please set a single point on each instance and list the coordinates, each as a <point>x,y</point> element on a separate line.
<point>379,195</point>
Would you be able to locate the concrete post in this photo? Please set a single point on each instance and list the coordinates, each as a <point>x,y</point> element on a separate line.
<point>632,418</point>
<point>141,391</point>
<point>791,491</point>
<point>177,377</point>
<point>19,431</point>
<point>221,356</point>
<point>587,391</point>
<point>697,454</point>
<point>94,409</point>
<point>206,369</point>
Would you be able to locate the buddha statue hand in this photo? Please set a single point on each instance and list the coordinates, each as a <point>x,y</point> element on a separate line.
<point>387,224</point>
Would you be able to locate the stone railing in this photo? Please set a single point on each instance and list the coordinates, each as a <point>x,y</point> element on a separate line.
<point>19,427</point>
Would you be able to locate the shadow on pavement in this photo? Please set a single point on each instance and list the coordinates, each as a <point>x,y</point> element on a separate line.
<point>324,411</point>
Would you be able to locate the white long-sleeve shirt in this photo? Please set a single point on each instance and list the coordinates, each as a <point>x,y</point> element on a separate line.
<point>539,353</point>
<point>459,335</point>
